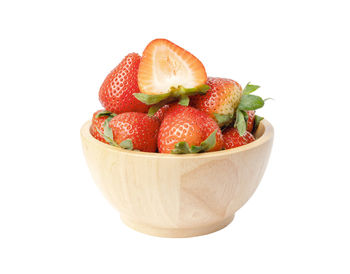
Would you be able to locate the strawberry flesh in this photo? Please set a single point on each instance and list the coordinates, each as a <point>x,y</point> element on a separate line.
<point>165,65</point>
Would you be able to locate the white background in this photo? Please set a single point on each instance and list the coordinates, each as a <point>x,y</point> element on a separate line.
<point>54,56</point>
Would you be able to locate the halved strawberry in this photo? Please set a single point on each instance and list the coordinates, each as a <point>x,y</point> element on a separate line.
<point>165,65</point>
<point>168,73</point>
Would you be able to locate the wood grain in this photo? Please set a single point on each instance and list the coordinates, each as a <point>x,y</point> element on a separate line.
<point>178,195</point>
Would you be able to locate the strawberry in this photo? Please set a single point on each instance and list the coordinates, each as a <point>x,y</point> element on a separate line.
<point>233,139</point>
<point>188,130</point>
<point>208,125</point>
<point>164,65</point>
<point>134,130</point>
<point>116,92</point>
<point>220,101</point>
<point>250,120</point>
<point>97,125</point>
<point>167,73</point>
<point>161,112</point>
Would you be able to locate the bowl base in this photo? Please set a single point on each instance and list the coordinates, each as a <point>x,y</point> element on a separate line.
<point>176,232</point>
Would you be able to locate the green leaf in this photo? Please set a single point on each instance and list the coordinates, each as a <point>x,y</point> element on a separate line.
<point>210,142</point>
<point>108,133</point>
<point>108,136</point>
<point>195,149</point>
<point>174,92</point>
<point>240,123</point>
<point>223,119</point>
<point>181,148</point>
<point>206,145</point>
<point>184,100</point>
<point>151,99</point>
<point>153,109</point>
<point>245,114</point>
<point>180,90</point>
<point>127,144</point>
<point>107,130</point>
<point>105,137</point>
<point>105,113</point>
<point>257,121</point>
<point>200,89</point>
<point>250,102</point>
<point>250,88</point>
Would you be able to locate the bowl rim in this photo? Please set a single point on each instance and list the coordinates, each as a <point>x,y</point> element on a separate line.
<point>267,135</point>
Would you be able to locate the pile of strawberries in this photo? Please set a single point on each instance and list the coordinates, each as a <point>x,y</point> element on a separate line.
<point>164,102</point>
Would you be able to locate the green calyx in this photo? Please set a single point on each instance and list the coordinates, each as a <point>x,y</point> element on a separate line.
<point>178,93</point>
<point>105,113</point>
<point>250,88</point>
<point>257,121</point>
<point>223,119</point>
<point>248,102</point>
<point>108,136</point>
<point>206,145</point>
<point>127,144</point>
<point>153,109</point>
<point>240,122</point>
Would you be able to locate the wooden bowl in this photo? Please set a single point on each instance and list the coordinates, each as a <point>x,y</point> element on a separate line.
<point>178,195</point>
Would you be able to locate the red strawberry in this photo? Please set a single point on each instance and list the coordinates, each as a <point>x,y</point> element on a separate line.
<point>116,92</point>
<point>97,125</point>
<point>220,101</point>
<point>250,121</point>
<point>208,125</point>
<point>178,125</point>
<point>165,65</point>
<point>186,124</point>
<point>232,138</point>
<point>141,129</point>
<point>161,112</point>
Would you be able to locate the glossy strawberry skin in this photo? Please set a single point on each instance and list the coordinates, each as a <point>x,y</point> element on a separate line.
<point>250,121</point>
<point>97,124</point>
<point>161,112</point>
<point>232,138</point>
<point>116,92</point>
<point>208,125</point>
<point>179,124</point>
<point>139,127</point>
<point>186,124</point>
<point>222,97</point>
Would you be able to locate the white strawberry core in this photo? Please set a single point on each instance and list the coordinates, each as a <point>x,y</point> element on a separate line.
<point>170,70</point>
